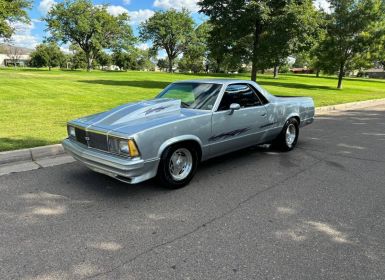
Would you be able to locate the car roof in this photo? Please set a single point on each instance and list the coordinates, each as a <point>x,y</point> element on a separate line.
<point>214,81</point>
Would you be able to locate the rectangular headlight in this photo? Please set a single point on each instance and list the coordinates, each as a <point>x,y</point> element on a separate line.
<point>71,131</point>
<point>124,147</point>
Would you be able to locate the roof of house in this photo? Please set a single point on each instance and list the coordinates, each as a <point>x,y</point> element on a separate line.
<point>6,48</point>
<point>375,70</point>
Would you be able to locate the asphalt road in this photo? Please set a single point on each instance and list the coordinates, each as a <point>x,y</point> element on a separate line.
<point>317,212</point>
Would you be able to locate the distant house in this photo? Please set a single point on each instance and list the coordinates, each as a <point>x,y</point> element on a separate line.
<point>14,56</point>
<point>377,73</point>
<point>302,70</point>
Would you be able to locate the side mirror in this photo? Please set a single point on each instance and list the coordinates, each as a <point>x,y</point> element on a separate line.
<point>233,107</point>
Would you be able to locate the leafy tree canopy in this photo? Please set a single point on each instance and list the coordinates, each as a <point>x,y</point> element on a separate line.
<point>170,30</point>
<point>10,12</point>
<point>245,27</point>
<point>349,34</point>
<point>90,27</point>
<point>47,55</point>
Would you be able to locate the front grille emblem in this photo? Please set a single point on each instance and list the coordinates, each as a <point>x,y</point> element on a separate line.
<point>87,138</point>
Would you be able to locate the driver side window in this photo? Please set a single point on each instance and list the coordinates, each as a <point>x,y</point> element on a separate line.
<point>241,94</point>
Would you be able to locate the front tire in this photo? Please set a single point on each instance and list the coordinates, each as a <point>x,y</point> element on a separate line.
<point>287,139</point>
<point>177,166</point>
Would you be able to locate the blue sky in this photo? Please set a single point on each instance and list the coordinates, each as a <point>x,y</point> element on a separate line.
<point>29,35</point>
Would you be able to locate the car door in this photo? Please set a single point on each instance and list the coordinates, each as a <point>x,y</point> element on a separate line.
<point>240,128</point>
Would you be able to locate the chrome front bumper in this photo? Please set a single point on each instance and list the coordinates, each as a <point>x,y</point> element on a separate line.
<point>124,169</point>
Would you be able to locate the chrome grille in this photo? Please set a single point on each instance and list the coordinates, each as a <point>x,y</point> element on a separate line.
<point>81,136</point>
<point>91,139</point>
<point>97,141</point>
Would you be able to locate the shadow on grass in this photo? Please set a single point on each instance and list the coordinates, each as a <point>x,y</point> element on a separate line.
<point>141,84</point>
<point>7,144</point>
<point>278,83</point>
<point>161,85</point>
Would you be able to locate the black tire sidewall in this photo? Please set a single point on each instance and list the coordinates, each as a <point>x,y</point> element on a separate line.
<point>281,140</point>
<point>164,175</point>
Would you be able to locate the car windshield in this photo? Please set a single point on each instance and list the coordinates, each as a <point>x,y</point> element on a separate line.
<point>193,95</point>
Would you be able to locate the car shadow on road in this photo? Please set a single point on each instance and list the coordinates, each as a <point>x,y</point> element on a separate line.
<point>106,186</point>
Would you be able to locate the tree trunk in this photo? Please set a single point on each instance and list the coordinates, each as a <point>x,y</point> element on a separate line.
<point>170,62</point>
<point>341,75</point>
<point>49,68</point>
<point>317,73</point>
<point>89,62</point>
<point>276,71</point>
<point>263,71</point>
<point>218,68</point>
<point>254,72</point>
<point>254,69</point>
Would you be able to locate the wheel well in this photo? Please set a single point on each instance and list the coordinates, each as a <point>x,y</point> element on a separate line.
<point>191,143</point>
<point>296,118</point>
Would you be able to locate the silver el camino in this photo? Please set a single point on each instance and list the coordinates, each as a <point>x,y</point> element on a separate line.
<point>188,122</point>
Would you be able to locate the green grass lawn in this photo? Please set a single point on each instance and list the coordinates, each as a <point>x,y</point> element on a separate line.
<point>35,104</point>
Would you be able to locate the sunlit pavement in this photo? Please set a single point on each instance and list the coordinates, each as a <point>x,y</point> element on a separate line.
<point>317,212</point>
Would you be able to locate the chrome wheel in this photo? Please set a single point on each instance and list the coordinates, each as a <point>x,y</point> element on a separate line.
<point>181,163</point>
<point>291,134</point>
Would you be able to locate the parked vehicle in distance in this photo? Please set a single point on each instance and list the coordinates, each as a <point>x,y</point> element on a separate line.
<point>188,122</point>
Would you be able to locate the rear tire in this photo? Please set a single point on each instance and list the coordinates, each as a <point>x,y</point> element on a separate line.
<point>287,139</point>
<point>177,166</point>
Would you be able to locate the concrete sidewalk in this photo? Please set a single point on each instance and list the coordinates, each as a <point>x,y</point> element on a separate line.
<point>33,158</point>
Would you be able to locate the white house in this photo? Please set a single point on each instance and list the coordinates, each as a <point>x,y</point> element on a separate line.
<point>14,56</point>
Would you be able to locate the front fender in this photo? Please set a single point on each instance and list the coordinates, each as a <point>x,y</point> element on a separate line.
<point>178,139</point>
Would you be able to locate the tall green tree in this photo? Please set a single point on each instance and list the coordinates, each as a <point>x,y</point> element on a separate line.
<point>295,30</point>
<point>218,46</point>
<point>90,27</point>
<point>78,58</point>
<point>122,59</point>
<point>195,56</point>
<point>162,64</point>
<point>12,11</point>
<point>47,55</point>
<point>349,37</point>
<point>103,59</point>
<point>245,27</point>
<point>169,30</point>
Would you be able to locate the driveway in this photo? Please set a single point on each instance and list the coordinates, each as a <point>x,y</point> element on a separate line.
<point>317,212</point>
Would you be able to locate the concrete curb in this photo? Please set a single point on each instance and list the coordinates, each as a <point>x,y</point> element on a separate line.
<point>45,156</point>
<point>31,154</point>
<point>349,106</point>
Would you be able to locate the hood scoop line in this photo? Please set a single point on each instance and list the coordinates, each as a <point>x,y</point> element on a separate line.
<point>140,110</point>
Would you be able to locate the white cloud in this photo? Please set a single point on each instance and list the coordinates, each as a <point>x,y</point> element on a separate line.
<point>322,4</point>
<point>142,46</point>
<point>65,48</point>
<point>190,5</point>
<point>126,2</point>
<point>116,10</point>
<point>46,5</point>
<point>23,36</point>
<point>136,17</point>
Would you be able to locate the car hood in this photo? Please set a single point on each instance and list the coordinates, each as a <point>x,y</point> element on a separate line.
<point>134,117</point>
